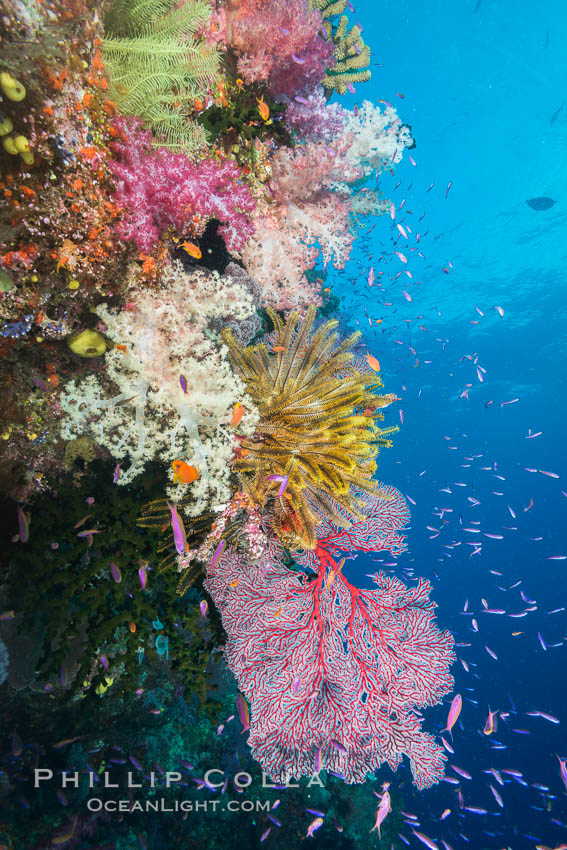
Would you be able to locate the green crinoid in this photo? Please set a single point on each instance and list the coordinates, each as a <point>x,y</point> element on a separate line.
<point>312,428</point>
<point>157,66</point>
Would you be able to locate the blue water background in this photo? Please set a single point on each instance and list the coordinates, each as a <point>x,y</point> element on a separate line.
<point>481,82</point>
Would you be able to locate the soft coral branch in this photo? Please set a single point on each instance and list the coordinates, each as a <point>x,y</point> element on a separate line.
<point>159,189</point>
<point>280,41</point>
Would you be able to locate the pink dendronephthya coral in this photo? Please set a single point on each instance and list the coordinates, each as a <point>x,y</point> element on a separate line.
<point>159,189</point>
<point>304,213</point>
<point>279,42</point>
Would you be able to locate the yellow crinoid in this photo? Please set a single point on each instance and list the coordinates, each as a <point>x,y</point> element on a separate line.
<point>312,437</point>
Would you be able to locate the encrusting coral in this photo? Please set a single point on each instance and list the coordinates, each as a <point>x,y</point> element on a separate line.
<point>312,434</point>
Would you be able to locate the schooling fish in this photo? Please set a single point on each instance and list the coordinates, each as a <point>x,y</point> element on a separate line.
<point>491,724</point>
<point>382,813</point>
<point>373,362</point>
<point>541,203</point>
<point>283,479</point>
<point>184,473</point>
<point>555,115</point>
<point>313,827</point>
<point>218,553</point>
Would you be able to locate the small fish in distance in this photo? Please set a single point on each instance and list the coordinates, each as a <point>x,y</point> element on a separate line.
<point>542,203</point>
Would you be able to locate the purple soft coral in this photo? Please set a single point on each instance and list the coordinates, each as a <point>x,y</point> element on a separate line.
<point>158,189</point>
<point>313,119</point>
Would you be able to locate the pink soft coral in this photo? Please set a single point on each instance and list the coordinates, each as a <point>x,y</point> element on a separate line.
<point>304,172</point>
<point>159,189</point>
<point>313,119</point>
<point>304,213</point>
<point>214,30</point>
<point>279,40</point>
<point>277,258</point>
<point>284,247</point>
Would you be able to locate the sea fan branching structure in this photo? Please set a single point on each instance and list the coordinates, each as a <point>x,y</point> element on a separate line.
<point>157,66</point>
<point>312,433</point>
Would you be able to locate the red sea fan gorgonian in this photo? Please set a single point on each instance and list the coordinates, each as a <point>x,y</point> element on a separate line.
<point>158,189</point>
<point>334,674</point>
<point>384,516</point>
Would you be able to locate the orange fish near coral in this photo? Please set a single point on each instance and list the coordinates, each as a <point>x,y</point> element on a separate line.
<point>373,362</point>
<point>237,414</point>
<point>192,249</point>
<point>263,108</point>
<point>184,473</point>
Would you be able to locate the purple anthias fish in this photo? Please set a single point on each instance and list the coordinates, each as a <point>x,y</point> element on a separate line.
<point>179,535</point>
<point>243,712</point>
<point>23,525</point>
<point>218,553</point>
<point>284,479</point>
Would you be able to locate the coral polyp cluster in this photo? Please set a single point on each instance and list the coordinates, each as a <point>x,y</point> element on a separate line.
<point>311,430</point>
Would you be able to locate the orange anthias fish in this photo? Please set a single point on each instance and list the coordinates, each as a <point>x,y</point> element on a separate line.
<point>237,414</point>
<point>263,108</point>
<point>192,249</point>
<point>184,473</point>
<point>334,573</point>
<point>373,362</point>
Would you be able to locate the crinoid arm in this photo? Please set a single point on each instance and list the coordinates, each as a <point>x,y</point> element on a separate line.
<point>311,394</point>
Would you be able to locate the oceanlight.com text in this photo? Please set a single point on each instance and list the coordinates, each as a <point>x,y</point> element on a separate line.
<point>160,804</point>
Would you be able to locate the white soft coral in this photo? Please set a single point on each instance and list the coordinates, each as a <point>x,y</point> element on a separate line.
<point>165,345</point>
